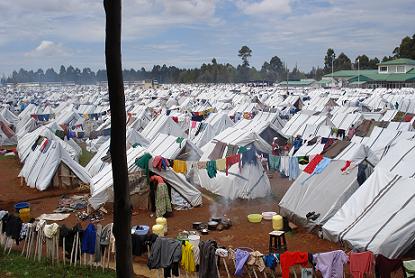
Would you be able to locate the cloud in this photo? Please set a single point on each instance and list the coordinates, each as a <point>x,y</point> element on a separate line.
<point>201,9</point>
<point>188,32</point>
<point>47,49</point>
<point>264,7</point>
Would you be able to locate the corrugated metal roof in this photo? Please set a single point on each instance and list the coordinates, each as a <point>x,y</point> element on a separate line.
<point>400,61</point>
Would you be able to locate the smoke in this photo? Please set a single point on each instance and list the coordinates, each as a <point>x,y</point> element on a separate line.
<point>220,207</point>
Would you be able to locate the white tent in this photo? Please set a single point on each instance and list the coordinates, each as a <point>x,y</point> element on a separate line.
<point>379,141</point>
<point>162,124</point>
<point>346,120</point>
<point>269,117</point>
<point>322,193</point>
<point>101,184</point>
<point>96,164</point>
<point>236,137</point>
<point>24,128</point>
<point>69,118</point>
<point>379,216</point>
<point>26,142</point>
<point>266,130</point>
<point>9,116</point>
<point>214,124</point>
<point>248,182</point>
<point>326,192</point>
<point>41,166</point>
<point>140,117</point>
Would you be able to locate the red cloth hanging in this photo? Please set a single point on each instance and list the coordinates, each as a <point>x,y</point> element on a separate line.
<point>347,165</point>
<point>361,263</point>
<point>231,160</point>
<point>309,169</point>
<point>289,259</point>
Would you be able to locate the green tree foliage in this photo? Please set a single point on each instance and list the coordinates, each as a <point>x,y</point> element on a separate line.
<point>406,49</point>
<point>245,53</point>
<point>315,73</point>
<point>273,70</point>
<point>213,72</point>
<point>365,62</point>
<point>342,62</point>
<point>328,59</point>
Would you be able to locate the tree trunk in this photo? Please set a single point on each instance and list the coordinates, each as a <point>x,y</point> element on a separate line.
<point>122,209</point>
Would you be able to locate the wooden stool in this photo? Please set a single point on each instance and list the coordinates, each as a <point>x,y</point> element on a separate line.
<point>277,242</point>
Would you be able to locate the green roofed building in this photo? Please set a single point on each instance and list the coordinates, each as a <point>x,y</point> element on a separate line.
<point>396,73</point>
<point>299,83</point>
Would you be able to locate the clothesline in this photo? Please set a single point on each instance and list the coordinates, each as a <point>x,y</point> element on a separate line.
<point>243,156</point>
<point>184,254</point>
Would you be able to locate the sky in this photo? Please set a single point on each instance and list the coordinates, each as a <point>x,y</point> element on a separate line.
<point>187,33</point>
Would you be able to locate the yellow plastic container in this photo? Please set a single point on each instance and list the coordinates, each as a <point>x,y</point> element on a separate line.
<point>162,221</point>
<point>277,223</point>
<point>254,218</point>
<point>24,214</point>
<point>158,230</point>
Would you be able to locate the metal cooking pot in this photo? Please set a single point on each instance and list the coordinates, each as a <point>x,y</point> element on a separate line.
<point>226,222</point>
<point>216,219</point>
<point>203,226</point>
<point>196,225</point>
<point>212,225</point>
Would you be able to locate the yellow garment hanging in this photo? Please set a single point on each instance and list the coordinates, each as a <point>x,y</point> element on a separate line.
<point>221,165</point>
<point>180,166</point>
<point>188,260</point>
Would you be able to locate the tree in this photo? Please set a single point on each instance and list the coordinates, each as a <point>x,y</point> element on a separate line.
<point>51,75</point>
<point>296,74</point>
<point>406,49</point>
<point>122,206</point>
<point>245,53</point>
<point>342,62</point>
<point>328,59</point>
<point>373,63</point>
<point>274,70</point>
<point>363,62</point>
<point>62,73</point>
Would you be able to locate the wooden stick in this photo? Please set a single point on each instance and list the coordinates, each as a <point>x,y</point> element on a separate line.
<point>80,250</point>
<point>72,251</point>
<point>226,267</point>
<point>40,251</point>
<point>63,251</point>
<point>103,259</point>
<point>217,268</point>
<point>109,255</point>
<point>57,248</point>
<point>76,248</point>
<point>24,245</point>
<point>28,243</point>
<point>11,245</point>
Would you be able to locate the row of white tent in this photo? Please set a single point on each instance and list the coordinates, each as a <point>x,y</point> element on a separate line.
<point>323,111</point>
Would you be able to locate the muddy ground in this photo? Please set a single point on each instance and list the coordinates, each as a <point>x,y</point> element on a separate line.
<point>241,234</point>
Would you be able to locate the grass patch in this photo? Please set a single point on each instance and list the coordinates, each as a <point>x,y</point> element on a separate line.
<point>7,157</point>
<point>14,265</point>
<point>85,157</point>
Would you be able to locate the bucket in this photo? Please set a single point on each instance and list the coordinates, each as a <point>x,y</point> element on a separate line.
<point>162,221</point>
<point>158,230</point>
<point>277,223</point>
<point>194,240</point>
<point>140,230</point>
<point>23,209</point>
<point>20,206</point>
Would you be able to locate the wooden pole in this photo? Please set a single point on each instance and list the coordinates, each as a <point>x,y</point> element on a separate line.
<point>122,207</point>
